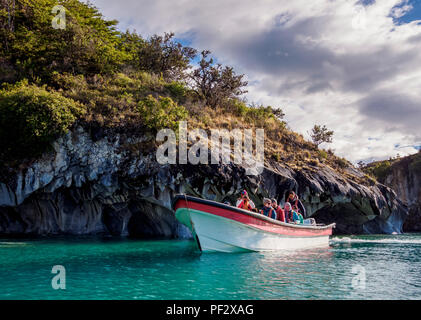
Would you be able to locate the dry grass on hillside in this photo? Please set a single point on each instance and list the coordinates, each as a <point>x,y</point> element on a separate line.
<point>281,144</point>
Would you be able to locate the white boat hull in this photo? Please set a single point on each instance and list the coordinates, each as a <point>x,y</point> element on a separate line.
<point>218,234</point>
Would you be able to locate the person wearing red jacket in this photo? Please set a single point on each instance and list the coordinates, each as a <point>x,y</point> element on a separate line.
<point>295,202</point>
<point>279,211</point>
<point>245,203</point>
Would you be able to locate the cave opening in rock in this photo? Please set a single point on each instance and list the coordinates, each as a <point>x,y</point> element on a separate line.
<point>149,220</point>
<point>347,218</point>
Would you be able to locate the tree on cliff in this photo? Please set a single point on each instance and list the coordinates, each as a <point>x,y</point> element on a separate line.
<point>33,49</point>
<point>162,55</point>
<point>115,80</point>
<point>321,134</point>
<point>214,83</point>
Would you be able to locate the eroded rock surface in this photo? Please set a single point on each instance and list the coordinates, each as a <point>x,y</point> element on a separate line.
<point>406,181</point>
<point>94,185</point>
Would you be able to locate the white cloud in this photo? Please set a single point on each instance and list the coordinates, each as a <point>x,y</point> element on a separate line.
<point>330,62</point>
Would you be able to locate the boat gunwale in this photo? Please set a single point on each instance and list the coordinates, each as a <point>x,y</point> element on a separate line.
<point>246,212</point>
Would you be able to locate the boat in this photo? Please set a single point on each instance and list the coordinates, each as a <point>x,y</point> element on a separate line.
<point>219,227</point>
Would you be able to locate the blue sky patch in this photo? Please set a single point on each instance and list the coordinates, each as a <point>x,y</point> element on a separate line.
<point>411,15</point>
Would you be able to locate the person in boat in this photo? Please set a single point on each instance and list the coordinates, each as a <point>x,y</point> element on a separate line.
<point>292,216</point>
<point>267,210</point>
<point>279,211</point>
<point>295,202</point>
<point>245,203</point>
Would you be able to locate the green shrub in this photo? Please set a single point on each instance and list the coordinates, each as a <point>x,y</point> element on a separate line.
<point>89,44</point>
<point>382,170</point>
<point>255,114</point>
<point>66,81</point>
<point>259,113</point>
<point>370,179</point>
<point>176,89</point>
<point>31,118</point>
<point>151,81</point>
<point>238,108</point>
<point>322,154</point>
<point>379,170</point>
<point>123,81</point>
<point>161,113</point>
<point>342,163</point>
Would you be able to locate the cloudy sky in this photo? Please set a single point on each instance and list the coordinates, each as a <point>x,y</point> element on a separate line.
<point>354,66</point>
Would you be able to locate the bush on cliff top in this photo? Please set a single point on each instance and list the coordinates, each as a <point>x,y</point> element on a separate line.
<point>123,81</point>
<point>89,44</point>
<point>31,118</point>
<point>378,170</point>
<point>161,113</point>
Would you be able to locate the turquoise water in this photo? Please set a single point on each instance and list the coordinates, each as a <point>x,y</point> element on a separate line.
<point>106,268</point>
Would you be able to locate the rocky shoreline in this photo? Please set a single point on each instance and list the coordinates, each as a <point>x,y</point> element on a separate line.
<point>96,184</point>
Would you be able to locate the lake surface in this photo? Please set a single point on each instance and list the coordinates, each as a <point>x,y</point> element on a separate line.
<point>353,267</point>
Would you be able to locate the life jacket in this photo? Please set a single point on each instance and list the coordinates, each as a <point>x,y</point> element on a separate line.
<point>280,214</point>
<point>289,216</point>
<point>269,212</point>
<point>245,204</point>
<point>294,204</point>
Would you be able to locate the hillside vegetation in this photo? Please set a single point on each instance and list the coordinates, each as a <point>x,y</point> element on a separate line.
<point>94,75</point>
<point>381,169</point>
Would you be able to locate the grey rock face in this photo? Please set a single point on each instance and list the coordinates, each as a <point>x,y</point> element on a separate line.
<point>89,186</point>
<point>407,184</point>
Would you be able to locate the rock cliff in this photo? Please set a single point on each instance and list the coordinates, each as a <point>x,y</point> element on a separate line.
<point>97,183</point>
<point>404,176</point>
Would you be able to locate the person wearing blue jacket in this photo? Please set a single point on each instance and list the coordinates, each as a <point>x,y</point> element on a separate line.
<point>292,216</point>
<point>267,210</point>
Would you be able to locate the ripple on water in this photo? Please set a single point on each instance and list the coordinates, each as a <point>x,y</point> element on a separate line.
<point>131,269</point>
